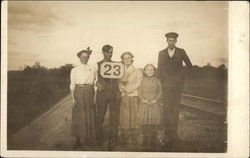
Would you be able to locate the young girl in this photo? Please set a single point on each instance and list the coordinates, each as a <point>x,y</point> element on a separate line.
<point>150,108</point>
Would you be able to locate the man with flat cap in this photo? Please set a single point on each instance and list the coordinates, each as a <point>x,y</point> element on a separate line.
<point>171,74</point>
<point>108,95</point>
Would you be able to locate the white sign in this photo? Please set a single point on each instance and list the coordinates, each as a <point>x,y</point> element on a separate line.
<point>112,70</point>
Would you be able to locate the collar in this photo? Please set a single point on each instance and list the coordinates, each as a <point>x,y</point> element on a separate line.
<point>150,77</point>
<point>105,61</point>
<point>173,50</point>
<point>81,64</point>
<point>130,69</point>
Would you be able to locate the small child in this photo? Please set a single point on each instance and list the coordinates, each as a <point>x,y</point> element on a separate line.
<point>150,109</point>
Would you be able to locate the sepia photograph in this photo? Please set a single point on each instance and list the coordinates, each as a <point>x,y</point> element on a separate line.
<point>117,76</point>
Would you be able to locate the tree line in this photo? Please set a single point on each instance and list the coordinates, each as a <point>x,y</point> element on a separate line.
<point>198,72</point>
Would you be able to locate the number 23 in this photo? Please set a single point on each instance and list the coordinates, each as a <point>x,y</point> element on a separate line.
<point>117,71</point>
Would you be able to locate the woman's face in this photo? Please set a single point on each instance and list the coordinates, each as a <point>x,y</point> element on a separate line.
<point>84,57</point>
<point>149,71</point>
<point>127,59</point>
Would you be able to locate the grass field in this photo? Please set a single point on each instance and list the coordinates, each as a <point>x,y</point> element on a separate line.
<point>197,133</point>
<point>28,98</point>
<point>209,88</point>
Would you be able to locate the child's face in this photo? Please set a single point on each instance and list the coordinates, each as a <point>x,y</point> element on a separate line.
<point>149,71</point>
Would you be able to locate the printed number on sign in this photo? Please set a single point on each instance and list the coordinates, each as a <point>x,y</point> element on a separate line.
<point>112,70</point>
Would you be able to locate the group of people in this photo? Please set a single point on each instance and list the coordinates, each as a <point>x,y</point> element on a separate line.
<point>143,104</point>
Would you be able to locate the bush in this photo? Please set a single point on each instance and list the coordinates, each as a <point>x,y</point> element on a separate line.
<point>33,91</point>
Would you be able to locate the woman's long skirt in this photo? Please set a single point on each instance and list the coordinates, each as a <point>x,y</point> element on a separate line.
<point>129,127</point>
<point>129,112</point>
<point>83,114</point>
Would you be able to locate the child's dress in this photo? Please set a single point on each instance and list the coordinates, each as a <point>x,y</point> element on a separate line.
<point>150,116</point>
<point>150,89</point>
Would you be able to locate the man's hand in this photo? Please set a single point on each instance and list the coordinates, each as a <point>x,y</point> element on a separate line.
<point>94,100</point>
<point>74,102</point>
<point>99,86</point>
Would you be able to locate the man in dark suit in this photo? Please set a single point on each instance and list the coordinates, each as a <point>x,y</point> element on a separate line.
<point>171,74</point>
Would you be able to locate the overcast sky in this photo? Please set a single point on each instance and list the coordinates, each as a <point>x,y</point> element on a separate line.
<point>53,32</point>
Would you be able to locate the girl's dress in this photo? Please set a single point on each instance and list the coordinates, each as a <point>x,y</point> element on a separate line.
<point>150,89</point>
<point>150,116</point>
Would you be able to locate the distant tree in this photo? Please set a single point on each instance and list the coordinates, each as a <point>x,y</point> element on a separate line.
<point>38,68</point>
<point>222,67</point>
<point>27,69</point>
<point>222,72</point>
<point>208,65</point>
<point>65,70</point>
<point>36,65</point>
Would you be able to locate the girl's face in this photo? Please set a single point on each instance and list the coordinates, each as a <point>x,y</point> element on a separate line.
<point>149,71</point>
<point>127,59</point>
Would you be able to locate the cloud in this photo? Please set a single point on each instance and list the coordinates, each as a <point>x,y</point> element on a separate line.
<point>17,59</point>
<point>31,16</point>
<point>51,31</point>
<point>21,55</point>
<point>222,60</point>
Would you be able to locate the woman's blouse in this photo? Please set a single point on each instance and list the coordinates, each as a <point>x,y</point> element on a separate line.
<point>131,81</point>
<point>150,88</point>
<point>82,74</point>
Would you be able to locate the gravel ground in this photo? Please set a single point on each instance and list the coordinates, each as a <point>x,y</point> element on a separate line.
<point>197,133</point>
<point>200,133</point>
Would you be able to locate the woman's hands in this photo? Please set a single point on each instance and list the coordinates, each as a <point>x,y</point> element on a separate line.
<point>94,100</point>
<point>73,97</point>
<point>123,89</point>
<point>149,102</point>
<point>153,101</point>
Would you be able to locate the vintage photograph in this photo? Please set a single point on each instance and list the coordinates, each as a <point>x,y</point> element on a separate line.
<point>127,76</point>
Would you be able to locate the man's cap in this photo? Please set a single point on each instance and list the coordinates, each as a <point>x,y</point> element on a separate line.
<point>172,35</point>
<point>106,48</point>
<point>88,51</point>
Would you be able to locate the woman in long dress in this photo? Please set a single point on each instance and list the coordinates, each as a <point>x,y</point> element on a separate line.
<point>129,106</point>
<point>82,78</point>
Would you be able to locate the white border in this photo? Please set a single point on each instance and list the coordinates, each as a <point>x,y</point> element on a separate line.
<point>238,98</point>
<point>4,60</point>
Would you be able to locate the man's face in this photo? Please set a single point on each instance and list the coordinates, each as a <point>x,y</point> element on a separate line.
<point>171,42</point>
<point>108,55</point>
<point>84,57</point>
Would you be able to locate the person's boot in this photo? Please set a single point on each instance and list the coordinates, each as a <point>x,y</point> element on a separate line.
<point>144,141</point>
<point>175,142</point>
<point>77,143</point>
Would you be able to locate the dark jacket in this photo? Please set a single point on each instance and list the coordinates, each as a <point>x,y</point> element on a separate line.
<point>172,67</point>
